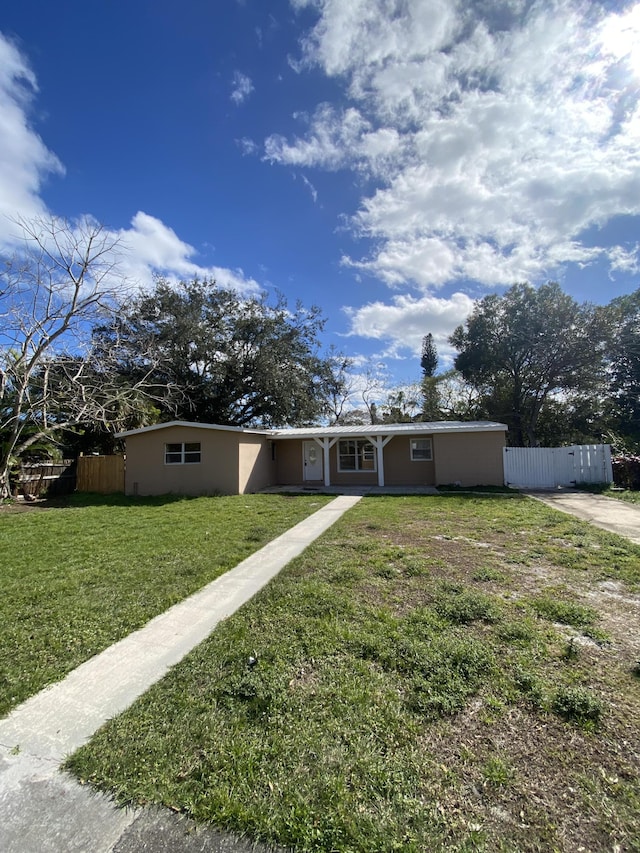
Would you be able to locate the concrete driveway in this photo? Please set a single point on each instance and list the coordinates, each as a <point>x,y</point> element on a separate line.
<point>608,513</point>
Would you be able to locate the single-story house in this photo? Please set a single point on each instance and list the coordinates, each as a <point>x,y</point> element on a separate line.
<point>200,459</point>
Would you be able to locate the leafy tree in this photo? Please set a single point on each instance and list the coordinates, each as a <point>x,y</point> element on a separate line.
<point>238,361</point>
<point>62,280</point>
<point>522,348</point>
<point>624,361</point>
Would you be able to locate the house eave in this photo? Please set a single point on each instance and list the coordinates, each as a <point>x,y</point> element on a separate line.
<point>192,425</point>
<point>423,428</point>
<point>291,433</point>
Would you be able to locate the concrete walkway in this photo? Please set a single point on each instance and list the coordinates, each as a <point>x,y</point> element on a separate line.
<point>607,513</point>
<point>45,811</point>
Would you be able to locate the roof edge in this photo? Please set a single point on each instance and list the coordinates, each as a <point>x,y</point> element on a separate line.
<point>192,425</point>
<point>424,427</point>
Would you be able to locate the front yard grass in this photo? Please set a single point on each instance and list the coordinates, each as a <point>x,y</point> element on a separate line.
<point>624,495</point>
<point>435,673</point>
<point>77,579</point>
<point>609,491</point>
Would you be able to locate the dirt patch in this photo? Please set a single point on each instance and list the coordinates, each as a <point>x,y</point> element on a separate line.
<point>530,776</point>
<point>20,505</point>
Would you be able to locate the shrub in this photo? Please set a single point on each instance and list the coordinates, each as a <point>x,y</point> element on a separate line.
<point>578,705</point>
<point>626,471</point>
<point>565,612</point>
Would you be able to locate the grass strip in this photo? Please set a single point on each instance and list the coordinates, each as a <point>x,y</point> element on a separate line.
<point>76,579</point>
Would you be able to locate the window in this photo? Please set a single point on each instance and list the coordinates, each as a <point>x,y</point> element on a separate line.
<point>182,453</point>
<point>356,455</point>
<point>420,449</point>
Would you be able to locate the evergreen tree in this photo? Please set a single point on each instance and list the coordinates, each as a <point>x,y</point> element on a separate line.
<point>429,360</point>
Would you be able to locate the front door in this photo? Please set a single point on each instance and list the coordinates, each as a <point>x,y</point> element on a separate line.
<point>312,458</point>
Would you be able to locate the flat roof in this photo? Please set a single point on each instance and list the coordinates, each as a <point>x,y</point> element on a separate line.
<point>421,428</point>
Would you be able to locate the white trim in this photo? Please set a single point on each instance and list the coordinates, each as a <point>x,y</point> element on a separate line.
<point>414,429</point>
<point>194,425</point>
<point>183,453</point>
<point>380,442</point>
<point>358,440</point>
<point>432,428</point>
<point>411,449</point>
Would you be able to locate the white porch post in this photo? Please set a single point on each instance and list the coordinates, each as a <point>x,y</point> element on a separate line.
<point>380,442</point>
<point>326,445</point>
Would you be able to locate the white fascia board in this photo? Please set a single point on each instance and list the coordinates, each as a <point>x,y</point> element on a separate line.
<point>192,425</point>
<point>389,430</point>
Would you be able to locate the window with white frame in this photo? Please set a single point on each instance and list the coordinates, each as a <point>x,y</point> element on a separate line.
<point>355,454</point>
<point>421,450</point>
<point>182,453</point>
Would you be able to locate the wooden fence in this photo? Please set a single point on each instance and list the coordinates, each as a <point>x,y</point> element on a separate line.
<point>35,479</point>
<point>101,474</point>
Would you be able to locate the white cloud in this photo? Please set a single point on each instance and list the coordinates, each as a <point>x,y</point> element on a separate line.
<point>329,142</point>
<point>627,261</point>
<point>25,162</point>
<point>313,191</point>
<point>498,132</point>
<point>407,320</point>
<point>242,87</point>
<point>247,146</point>
<point>149,246</point>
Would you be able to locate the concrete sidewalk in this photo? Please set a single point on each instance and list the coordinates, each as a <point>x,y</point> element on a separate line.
<point>607,513</point>
<point>45,811</point>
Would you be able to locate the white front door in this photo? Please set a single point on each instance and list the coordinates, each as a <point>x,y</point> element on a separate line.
<point>312,459</point>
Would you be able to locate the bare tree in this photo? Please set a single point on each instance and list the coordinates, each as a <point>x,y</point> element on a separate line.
<point>374,384</point>
<point>62,281</point>
<point>340,386</point>
<point>402,404</point>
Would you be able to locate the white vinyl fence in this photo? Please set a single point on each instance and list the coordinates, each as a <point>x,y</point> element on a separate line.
<point>549,467</point>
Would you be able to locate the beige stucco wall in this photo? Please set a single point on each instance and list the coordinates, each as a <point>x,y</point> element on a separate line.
<point>289,462</point>
<point>256,468</point>
<point>400,469</point>
<point>147,474</point>
<point>471,459</point>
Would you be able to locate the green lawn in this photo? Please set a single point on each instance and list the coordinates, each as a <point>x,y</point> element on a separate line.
<point>79,578</point>
<point>434,673</point>
<point>626,495</point>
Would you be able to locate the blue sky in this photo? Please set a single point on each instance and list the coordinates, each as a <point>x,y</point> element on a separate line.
<point>387,160</point>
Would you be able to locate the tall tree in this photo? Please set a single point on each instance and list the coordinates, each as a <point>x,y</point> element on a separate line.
<point>521,348</point>
<point>62,280</point>
<point>429,359</point>
<point>429,384</point>
<point>624,361</point>
<point>239,361</point>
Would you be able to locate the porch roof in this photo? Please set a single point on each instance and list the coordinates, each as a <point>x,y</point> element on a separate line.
<point>423,428</point>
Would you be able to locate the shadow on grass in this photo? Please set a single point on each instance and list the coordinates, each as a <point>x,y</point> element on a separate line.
<point>94,499</point>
